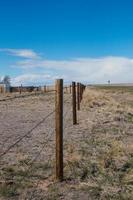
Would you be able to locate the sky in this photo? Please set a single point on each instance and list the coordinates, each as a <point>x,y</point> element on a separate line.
<point>89,41</point>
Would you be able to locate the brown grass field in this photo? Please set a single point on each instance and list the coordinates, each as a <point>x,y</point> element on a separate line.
<point>98,152</point>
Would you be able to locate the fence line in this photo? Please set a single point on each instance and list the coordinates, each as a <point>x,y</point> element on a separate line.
<point>64,124</point>
<point>75,96</point>
<point>20,95</point>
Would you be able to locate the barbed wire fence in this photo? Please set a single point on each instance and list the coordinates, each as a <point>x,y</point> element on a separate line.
<point>60,123</point>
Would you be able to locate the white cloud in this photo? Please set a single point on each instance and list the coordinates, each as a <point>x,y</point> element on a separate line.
<point>24,53</point>
<point>117,69</point>
<point>91,70</point>
<point>32,79</point>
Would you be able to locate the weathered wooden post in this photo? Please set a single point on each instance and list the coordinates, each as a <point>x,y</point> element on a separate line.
<point>45,88</point>
<point>74,103</point>
<point>70,89</point>
<point>20,89</point>
<point>78,96</point>
<point>80,92</point>
<point>59,129</point>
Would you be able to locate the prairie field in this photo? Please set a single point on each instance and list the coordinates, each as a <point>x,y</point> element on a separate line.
<point>98,151</point>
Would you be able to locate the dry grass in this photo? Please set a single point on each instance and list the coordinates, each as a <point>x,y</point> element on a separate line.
<point>98,153</point>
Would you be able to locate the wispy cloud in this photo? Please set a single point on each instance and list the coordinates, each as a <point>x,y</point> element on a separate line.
<point>32,79</point>
<point>23,53</point>
<point>117,69</point>
<point>95,70</point>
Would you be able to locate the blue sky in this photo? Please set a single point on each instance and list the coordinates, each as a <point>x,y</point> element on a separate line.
<point>87,40</point>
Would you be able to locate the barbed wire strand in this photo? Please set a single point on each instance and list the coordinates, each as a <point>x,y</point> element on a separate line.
<point>64,116</point>
<point>32,195</point>
<point>36,157</point>
<point>29,132</point>
<point>26,95</point>
<point>21,138</point>
<point>30,168</point>
<point>33,128</point>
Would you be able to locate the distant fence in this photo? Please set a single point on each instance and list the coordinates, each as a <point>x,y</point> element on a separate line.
<point>23,89</point>
<point>76,90</point>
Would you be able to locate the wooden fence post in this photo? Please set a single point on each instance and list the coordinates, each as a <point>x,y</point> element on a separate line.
<point>81,91</point>
<point>78,96</point>
<point>74,103</point>
<point>70,89</point>
<point>20,89</point>
<point>45,88</point>
<point>59,129</point>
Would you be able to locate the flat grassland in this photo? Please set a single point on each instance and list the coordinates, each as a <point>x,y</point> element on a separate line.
<point>98,152</point>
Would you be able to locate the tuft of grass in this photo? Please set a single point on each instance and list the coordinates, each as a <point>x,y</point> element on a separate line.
<point>130,117</point>
<point>53,193</point>
<point>93,191</point>
<point>8,190</point>
<point>17,178</point>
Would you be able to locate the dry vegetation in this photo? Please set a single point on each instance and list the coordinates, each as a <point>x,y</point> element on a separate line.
<point>98,152</point>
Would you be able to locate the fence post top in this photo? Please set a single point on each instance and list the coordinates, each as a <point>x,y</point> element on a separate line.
<point>59,79</point>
